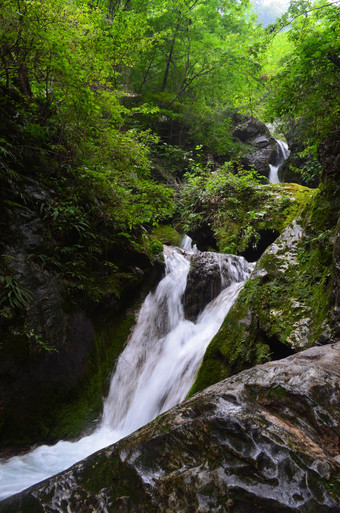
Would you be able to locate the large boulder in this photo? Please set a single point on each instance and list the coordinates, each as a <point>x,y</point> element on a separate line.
<point>209,274</point>
<point>261,148</point>
<point>291,301</point>
<point>266,441</point>
<point>329,155</point>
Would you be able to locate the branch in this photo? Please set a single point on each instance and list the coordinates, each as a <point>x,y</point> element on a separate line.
<point>186,85</point>
<point>289,22</point>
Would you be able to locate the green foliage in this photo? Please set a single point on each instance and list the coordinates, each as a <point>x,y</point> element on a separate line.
<point>307,79</point>
<point>218,199</point>
<point>200,66</point>
<point>288,301</point>
<point>61,57</point>
<point>235,205</point>
<point>81,85</point>
<point>12,294</point>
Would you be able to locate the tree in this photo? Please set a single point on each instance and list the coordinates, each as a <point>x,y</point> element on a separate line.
<point>67,61</point>
<point>307,86</point>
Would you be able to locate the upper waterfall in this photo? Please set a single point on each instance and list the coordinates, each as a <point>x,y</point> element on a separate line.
<point>282,154</point>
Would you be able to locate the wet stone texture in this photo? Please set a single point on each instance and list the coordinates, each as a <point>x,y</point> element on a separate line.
<point>209,274</point>
<point>262,148</point>
<point>264,441</point>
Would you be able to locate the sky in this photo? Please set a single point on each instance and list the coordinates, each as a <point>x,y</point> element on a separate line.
<point>269,10</point>
<point>282,4</point>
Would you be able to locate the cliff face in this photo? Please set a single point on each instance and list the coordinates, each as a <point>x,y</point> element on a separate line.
<point>267,441</point>
<point>63,324</point>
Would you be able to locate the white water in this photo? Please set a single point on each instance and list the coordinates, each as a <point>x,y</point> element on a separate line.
<point>154,372</point>
<point>187,244</point>
<point>274,170</point>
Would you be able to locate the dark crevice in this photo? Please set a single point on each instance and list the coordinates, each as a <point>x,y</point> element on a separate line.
<point>278,349</point>
<point>258,246</point>
<point>204,239</point>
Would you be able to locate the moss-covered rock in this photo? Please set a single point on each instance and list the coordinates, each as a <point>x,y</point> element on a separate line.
<point>241,214</point>
<point>259,218</point>
<point>54,391</point>
<point>287,304</point>
<point>167,235</point>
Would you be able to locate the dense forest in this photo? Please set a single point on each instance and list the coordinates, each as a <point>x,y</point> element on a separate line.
<point>127,123</point>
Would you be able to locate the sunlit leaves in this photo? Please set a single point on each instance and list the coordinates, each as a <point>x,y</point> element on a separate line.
<point>307,84</point>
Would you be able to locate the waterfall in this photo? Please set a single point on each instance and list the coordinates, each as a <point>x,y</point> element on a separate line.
<point>154,372</point>
<point>282,154</point>
<point>187,244</point>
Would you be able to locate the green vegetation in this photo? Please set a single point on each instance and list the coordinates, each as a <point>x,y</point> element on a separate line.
<point>104,108</point>
<point>236,206</point>
<point>287,304</point>
<point>306,82</point>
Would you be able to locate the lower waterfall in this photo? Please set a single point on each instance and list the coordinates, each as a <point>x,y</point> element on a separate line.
<point>154,372</point>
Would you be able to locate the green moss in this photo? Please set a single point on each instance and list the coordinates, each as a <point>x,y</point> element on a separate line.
<point>333,486</point>
<point>290,300</point>
<point>270,207</point>
<point>63,411</point>
<point>117,477</point>
<point>237,208</point>
<point>233,349</point>
<point>28,504</point>
<point>276,392</point>
<point>167,235</point>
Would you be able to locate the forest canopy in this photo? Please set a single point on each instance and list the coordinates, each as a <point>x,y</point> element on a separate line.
<point>95,82</point>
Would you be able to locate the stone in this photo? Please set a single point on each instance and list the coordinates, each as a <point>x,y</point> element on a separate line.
<point>290,302</point>
<point>266,440</point>
<point>336,283</point>
<point>261,146</point>
<point>57,354</point>
<point>209,274</point>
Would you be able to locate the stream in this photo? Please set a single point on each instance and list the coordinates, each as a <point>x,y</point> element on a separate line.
<point>154,372</point>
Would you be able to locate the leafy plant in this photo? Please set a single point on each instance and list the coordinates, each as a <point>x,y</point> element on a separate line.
<point>12,293</point>
<point>304,85</point>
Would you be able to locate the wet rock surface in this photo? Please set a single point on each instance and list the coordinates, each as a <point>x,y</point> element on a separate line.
<point>336,283</point>
<point>262,146</point>
<point>209,274</point>
<point>266,441</point>
<point>329,156</point>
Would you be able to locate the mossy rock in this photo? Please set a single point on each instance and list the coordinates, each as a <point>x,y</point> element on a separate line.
<point>269,208</point>
<point>59,392</point>
<point>167,235</point>
<point>287,304</point>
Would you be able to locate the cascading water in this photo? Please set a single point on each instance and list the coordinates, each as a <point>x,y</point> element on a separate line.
<point>282,155</point>
<point>154,372</point>
<point>186,244</point>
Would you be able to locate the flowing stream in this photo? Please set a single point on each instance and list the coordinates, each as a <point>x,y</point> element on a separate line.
<point>283,154</point>
<point>154,372</point>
